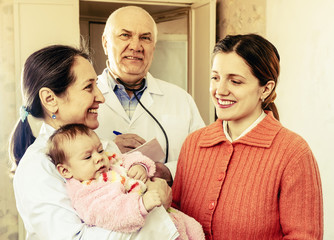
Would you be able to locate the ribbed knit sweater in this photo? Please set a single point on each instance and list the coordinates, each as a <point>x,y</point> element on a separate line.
<point>265,185</point>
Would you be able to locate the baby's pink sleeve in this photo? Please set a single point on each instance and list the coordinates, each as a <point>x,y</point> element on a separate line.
<point>138,158</point>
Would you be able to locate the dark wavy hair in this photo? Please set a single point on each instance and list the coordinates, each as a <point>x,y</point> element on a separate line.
<point>261,56</point>
<point>49,67</point>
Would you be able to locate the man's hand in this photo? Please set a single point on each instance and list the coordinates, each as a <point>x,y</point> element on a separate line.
<point>163,172</point>
<point>138,172</point>
<point>165,192</point>
<point>128,141</point>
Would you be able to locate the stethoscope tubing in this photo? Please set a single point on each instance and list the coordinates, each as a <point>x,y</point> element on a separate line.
<point>126,86</point>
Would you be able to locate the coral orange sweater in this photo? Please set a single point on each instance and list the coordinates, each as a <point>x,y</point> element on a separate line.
<point>265,185</point>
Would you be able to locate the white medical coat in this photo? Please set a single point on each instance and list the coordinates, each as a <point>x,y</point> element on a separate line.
<point>173,107</point>
<point>45,208</point>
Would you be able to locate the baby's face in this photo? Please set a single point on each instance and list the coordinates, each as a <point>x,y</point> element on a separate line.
<point>86,158</point>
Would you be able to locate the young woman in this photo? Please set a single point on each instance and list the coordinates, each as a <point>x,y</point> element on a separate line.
<point>246,176</point>
<point>59,87</point>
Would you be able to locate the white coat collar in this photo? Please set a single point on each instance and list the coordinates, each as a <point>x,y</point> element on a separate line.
<point>112,101</point>
<point>152,84</point>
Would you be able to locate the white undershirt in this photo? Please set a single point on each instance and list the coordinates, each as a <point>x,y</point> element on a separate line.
<point>256,122</point>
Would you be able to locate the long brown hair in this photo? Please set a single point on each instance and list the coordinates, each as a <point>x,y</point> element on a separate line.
<point>261,56</point>
<point>49,67</point>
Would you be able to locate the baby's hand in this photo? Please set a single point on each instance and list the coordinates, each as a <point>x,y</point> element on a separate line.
<point>151,199</point>
<point>138,172</point>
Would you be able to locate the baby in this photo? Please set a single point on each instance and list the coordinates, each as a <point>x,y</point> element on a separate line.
<point>107,190</point>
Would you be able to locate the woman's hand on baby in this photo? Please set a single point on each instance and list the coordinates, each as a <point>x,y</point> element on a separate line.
<point>151,199</point>
<point>138,172</point>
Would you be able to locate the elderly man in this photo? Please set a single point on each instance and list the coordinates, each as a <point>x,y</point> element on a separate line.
<point>138,105</point>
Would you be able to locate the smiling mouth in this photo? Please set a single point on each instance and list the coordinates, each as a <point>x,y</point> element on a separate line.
<point>92,110</point>
<point>133,58</point>
<point>225,102</point>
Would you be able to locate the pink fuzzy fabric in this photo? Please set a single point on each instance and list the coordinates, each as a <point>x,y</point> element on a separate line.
<point>188,227</point>
<point>106,205</point>
<point>137,157</point>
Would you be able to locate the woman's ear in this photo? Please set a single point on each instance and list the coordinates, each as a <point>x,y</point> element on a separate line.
<point>64,171</point>
<point>267,89</point>
<point>48,99</point>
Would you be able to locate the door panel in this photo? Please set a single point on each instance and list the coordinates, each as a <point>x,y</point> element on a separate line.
<point>202,25</point>
<point>38,24</point>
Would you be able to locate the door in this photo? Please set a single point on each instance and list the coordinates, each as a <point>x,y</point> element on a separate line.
<point>202,40</point>
<point>41,23</point>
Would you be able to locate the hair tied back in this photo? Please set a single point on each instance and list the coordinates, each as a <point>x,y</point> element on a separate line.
<point>23,113</point>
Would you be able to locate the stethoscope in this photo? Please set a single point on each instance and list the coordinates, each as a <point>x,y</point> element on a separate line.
<point>133,90</point>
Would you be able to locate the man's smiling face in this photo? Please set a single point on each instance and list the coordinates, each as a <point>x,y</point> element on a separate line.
<point>130,44</point>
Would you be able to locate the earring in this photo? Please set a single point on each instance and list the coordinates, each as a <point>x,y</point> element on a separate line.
<point>53,116</point>
<point>262,99</point>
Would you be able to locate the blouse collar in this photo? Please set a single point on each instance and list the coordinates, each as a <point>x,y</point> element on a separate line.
<point>256,122</point>
<point>261,135</point>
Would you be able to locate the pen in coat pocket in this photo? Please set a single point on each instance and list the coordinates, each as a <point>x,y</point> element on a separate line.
<point>116,133</point>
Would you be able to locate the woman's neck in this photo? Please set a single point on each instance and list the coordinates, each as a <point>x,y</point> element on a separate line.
<point>236,128</point>
<point>52,122</point>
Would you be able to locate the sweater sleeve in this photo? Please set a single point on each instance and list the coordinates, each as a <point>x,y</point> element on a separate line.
<point>300,201</point>
<point>106,205</point>
<point>138,158</point>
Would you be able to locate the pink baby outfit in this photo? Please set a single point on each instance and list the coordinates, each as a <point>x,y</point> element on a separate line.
<point>114,201</point>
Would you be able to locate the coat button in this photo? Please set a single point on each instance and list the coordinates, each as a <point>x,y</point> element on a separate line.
<point>212,205</point>
<point>220,176</point>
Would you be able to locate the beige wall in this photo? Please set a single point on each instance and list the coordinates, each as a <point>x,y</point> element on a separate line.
<point>300,31</point>
<point>303,33</point>
<point>240,17</point>
<point>8,214</point>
